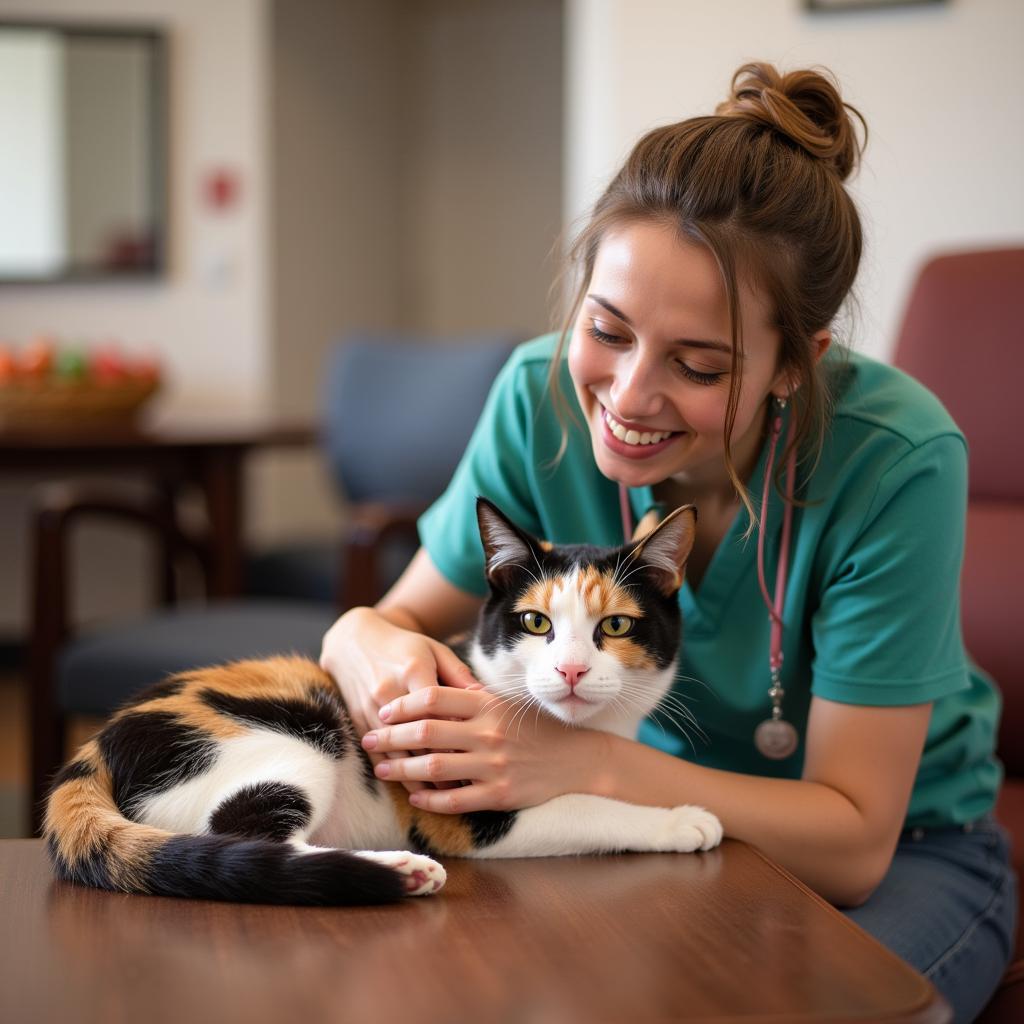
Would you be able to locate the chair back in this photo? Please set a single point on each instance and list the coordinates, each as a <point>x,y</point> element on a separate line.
<point>962,337</point>
<point>399,411</point>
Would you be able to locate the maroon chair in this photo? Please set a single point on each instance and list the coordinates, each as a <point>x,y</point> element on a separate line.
<point>962,337</point>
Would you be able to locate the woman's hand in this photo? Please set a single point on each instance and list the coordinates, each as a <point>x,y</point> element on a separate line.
<point>510,758</point>
<point>374,661</point>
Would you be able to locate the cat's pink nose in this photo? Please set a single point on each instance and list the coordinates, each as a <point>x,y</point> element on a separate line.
<point>572,673</point>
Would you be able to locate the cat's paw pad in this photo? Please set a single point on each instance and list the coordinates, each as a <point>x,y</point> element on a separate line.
<point>422,876</point>
<point>693,828</point>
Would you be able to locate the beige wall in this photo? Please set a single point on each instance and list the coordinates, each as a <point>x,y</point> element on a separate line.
<point>417,168</point>
<point>938,85</point>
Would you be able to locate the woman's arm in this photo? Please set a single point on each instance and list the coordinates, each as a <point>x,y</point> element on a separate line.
<point>835,829</point>
<point>424,601</point>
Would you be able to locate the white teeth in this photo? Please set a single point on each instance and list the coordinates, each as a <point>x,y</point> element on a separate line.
<point>633,436</point>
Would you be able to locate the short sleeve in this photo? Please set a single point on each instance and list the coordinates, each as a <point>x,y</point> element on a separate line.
<point>887,628</point>
<point>495,466</point>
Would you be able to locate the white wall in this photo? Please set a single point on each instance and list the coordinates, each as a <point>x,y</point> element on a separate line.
<point>937,84</point>
<point>212,336</point>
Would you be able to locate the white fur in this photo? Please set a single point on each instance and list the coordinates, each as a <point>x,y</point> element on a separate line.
<point>581,823</point>
<point>258,756</point>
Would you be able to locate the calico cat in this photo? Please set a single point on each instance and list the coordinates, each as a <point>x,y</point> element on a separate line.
<point>247,781</point>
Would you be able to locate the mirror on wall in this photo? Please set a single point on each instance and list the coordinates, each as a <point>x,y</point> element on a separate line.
<point>83,162</point>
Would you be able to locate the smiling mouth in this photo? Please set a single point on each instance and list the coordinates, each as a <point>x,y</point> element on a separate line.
<point>631,442</point>
<point>630,436</point>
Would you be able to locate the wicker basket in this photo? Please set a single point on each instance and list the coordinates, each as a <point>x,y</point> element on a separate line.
<point>39,403</point>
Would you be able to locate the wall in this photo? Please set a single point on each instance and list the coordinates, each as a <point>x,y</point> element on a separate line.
<point>416,185</point>
<point>210,330</point>
<point>937,85</point>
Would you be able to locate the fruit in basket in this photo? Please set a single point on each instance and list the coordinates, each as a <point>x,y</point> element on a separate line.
<point>71,365</point>
<point>106,365</point>
<point>37,358</point>
<point>43,386</point>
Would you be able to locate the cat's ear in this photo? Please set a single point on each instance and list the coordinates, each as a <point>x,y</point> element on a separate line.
<point>665,548</point>
<point>648,521</point>
<point>505,545</point>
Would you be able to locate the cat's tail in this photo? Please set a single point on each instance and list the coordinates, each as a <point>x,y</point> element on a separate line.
<point>91,842</point>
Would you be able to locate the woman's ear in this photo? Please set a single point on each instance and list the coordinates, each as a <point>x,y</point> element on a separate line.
<point>787,381</point>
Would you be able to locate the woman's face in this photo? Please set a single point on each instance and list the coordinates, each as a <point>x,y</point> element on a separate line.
<point>650,358</point>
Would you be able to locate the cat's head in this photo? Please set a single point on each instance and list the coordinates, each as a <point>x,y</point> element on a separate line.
<point>582,630</point>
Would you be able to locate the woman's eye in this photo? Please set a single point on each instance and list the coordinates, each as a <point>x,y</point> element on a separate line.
<point>603,336</point>
<point>616,625</point>
<point>535,623</point>
<point>697,376</point>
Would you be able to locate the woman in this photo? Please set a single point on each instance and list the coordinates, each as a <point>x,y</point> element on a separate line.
<point>712,270</point>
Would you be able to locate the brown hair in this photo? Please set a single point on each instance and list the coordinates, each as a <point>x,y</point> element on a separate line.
<point>760,184</point>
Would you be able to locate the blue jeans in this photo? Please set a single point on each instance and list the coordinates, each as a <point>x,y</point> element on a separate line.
<point>948,906</point>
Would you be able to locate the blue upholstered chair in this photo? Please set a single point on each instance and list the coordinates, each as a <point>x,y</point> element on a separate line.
<point>398,412</point>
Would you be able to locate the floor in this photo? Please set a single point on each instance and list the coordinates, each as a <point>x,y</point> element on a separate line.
<point>14,753</point>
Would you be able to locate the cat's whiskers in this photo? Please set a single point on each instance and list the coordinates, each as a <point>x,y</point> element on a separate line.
<point>670,708</point>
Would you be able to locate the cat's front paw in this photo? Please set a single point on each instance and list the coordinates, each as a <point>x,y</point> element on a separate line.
<point>422,875</point>
<point>692,828</point>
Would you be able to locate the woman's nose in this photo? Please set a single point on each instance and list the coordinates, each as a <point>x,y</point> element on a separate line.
<point>636,390</point>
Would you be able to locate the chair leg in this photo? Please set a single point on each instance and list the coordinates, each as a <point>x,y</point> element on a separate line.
<point>46,751</point>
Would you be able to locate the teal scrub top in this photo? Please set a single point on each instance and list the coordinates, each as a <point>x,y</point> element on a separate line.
<point>872,612</point>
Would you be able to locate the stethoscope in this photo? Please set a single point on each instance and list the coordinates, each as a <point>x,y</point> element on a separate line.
<point>774,738</point>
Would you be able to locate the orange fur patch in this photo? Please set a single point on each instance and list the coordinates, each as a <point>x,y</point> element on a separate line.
<point>84,822</point>
<point>447,834</point>
<point>627,652</point>
<point>602,596</point>
<point>537,597</point>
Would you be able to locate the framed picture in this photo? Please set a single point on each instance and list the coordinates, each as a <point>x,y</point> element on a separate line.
<point>859,5</point>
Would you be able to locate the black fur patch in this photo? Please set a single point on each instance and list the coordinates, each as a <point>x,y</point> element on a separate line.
<point>167,688</point>
<point>489,826</point>
<point>418,842</point>
<point>70,772</point>
<point>217,867</point>
<point>150,751</point>
<point>316,720</point>
<point>265,810</point>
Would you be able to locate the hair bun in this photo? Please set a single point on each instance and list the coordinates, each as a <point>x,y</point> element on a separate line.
<point>804,106</point>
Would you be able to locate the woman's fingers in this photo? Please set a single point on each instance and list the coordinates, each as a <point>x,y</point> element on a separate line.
<point>436,702</point>
<point>428,734</point>
<point>434,767</point>
<point>457,801</point>
<point>452,670</point>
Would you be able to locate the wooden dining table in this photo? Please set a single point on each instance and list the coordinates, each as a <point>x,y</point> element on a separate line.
<point>172,449</point>
<point>720,936</point>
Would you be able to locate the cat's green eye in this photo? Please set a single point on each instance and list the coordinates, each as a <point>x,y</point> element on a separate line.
<point>535,623</point>
<point>616,625</point>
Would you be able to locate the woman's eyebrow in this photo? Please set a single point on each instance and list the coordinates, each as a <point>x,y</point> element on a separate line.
<point>718,346</point>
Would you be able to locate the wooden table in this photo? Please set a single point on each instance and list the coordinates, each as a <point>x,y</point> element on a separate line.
<point>173,451</point>
<point>720,936</point>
